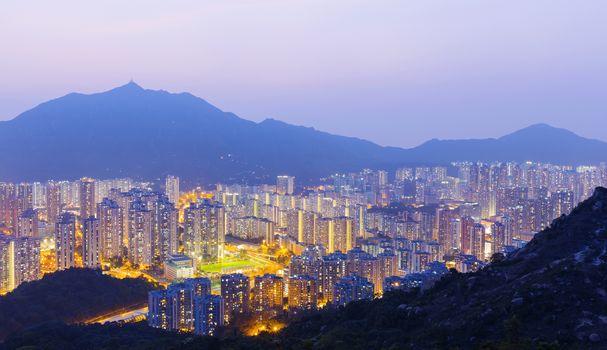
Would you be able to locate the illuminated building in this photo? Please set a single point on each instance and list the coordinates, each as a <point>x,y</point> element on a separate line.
<point>392,283</point>
<point>204,230</point>
<point>173,308</point>
<point>19,261</point>
<point>562,203</point>
<point>341,234</point>
<point>408,229</point>
<point>333,268</point>
<point>295,223</point>
<point>365,265</point>
<point>8,212</point>
<point>178,267</point>
<point>25,195</point>
<point>285,184</point>
<point>87,197</point>
<point>254,229</point>
<point>268,294</point>
<point>446,236</point>
<point>352,288</point>
<point>308,263</point>
<point>91,243</point>
<point>140,250</point>
<point>199,286</point>
<point>53,202</point>
<point>420,260</point>
<point>65,241</point>
<point>158,310</point>
<point>420,192</point>
<point>180,307</point>
<point>404,258</point>
<point>404,174</point>
<point>27,259</point>
<point>165,229</point>
<point>467,224</point>
<point>478,241</point>
<point>303,292</point>
<point>7,264</point>
<point>208,314</point>
<point>236,292</point>
<point>171,186</point>
<point>382,178</point>
<point>27,224</point>
<point>111,228</point>
<point>388,266</point>
<point>38,198</point>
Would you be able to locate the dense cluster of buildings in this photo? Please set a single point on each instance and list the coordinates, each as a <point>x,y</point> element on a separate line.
<point>365,233</point>
<point>355,236</point>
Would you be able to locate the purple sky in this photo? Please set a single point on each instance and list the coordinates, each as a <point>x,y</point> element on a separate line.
<point>392,71</point>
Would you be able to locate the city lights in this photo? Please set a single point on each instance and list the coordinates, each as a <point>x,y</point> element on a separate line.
<point>265,254</point>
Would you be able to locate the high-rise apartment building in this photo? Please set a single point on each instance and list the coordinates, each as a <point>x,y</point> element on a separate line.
<point>165,229</point>
<point>352,288</point>
<point>333,268</point>
<point>140,249</point>
<point>65,241</point>
<point>91,243</point>
<point>268,295</point>
<point>175,307</point>
<point>199,286</point>
<point>303,292</point>
<point>236,293</point>
<point>159,313</point>
<point>477,243</point>
<point>180,307</point>
<point>204,230</point>
<point>171,186</point>
<point>27,224</point>
<point>87,197</point>
<point>111,228</point>
<point>285,184</point>
<point>53,202</point>
<point>7,264</point>
<point>208,314</point>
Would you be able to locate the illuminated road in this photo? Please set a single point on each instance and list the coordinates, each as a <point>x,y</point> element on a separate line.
<point>125,314</point>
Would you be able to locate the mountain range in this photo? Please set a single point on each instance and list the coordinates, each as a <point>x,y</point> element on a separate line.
<point>133,132</point>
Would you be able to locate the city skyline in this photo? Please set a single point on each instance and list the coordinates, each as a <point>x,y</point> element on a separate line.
<point>303,174</point>
<point>478,70</point>
<point>254,257</point>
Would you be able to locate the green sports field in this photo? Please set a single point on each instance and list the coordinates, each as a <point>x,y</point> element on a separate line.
<point>228,264</point>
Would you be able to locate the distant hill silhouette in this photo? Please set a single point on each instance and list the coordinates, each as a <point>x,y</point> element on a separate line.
<point>146,134</point>
<point>539,142</point>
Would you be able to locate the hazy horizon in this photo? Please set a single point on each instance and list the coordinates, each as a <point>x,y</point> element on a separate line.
<point>394,73</point>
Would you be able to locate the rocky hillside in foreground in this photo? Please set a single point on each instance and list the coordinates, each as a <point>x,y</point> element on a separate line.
<point>552,294</point>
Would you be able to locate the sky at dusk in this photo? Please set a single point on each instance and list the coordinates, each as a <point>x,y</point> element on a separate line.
<point>395,72</point>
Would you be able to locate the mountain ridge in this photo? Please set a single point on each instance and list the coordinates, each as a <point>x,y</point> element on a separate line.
<point>147,134</point>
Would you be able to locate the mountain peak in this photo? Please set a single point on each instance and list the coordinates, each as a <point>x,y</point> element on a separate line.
<point>538,131</point>
<point>130,86</point>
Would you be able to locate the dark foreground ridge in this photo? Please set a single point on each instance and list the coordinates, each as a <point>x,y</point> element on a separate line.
<point>551,294</point>
<point>73,295</point>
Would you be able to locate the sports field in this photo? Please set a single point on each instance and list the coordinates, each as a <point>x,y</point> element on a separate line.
<point>229,264</point>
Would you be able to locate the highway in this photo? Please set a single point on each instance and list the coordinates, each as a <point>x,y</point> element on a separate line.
<point>133,313</point>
